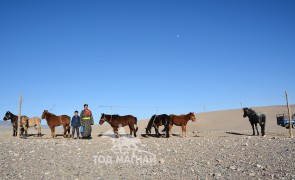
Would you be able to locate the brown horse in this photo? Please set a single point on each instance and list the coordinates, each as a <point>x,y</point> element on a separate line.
<point>116,121</point>
<point>156,121</point>
<point>181,120</point>
<point>30,122</point>
<point>53,121</point>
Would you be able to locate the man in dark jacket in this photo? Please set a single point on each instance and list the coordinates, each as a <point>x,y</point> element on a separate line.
<point>75,123</point>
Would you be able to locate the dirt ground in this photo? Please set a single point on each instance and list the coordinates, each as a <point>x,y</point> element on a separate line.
<point>219,146</point>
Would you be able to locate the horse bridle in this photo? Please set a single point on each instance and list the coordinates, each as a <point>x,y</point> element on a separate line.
<point>104,118</point>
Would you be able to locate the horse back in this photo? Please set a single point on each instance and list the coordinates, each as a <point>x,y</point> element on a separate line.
<point>175,119</point>
<point>65,119</point>
<point>124,120</point>
<point>34,121</point>
<point>163,119</point>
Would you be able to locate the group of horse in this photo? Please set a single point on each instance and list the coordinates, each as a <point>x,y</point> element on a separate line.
<point>26,122</point>
<point>156,121</point>
<point>117,121</point>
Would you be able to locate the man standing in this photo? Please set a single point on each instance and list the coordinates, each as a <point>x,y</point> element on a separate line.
<point>86,121</point>
<point>75,123</point>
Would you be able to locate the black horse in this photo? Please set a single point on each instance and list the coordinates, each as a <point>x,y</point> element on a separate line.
<point>156,121</point>
<point>255,118</point>
<point>14,122</point>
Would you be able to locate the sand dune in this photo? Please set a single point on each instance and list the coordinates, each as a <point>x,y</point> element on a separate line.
<point>220,121</point>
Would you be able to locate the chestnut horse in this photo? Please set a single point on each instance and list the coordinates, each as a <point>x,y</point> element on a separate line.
<point>156,121</point>
<point>53,121</point>
<point>116,121</point>
<point>181,120</point>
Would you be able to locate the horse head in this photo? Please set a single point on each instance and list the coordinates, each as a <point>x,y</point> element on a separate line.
<point>44,114</point>
<point>192,116</point>
<point>246,112</point>
<point>8,115</point>
<point>102,119</point>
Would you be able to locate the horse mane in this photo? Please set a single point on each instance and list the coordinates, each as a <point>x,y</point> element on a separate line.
<point>149,126</point>
<point>51,114</point>
<point>14,118</point>
<point>252,111</point>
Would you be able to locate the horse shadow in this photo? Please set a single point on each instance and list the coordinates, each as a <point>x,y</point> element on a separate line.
<point>236,133</point>
<point>157,136</point>
<point>113,135</point>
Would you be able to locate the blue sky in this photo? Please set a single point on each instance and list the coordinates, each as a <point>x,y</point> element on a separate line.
<point>174,55</point>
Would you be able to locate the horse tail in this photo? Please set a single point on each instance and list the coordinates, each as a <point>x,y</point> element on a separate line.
<point>166,129</point>
<point>262,124</point>
<point>136,127</point>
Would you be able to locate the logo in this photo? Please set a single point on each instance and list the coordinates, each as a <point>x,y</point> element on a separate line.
<point>125,150</point>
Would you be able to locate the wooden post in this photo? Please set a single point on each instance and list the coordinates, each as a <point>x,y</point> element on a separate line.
<point>19,114</point>
<point>290,117</point>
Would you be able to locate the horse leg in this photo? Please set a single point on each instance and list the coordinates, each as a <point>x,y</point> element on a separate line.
<point>167,130</point>
<point>156,130</point>
<point>257,129</point>
<point>182,128</point>
<point>170,132</point>
<point>53,132</point>
<point>22,131</point>
<point>26,132</point>
<point>65,131</point>
<point>39,130</point>
<point>116,132</point>
<point>13,131</point>
<point>253,129</point>
<point>130,128</point>
<point>185,131</point>
<point>263,125</point>
<point>134,131</point>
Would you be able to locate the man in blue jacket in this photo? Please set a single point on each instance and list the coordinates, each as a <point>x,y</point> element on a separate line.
<point>75,123</point>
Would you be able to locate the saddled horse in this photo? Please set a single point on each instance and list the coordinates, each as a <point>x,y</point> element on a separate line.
<point>32,122</point>
<point>156,121</point>
<point>181,120</point>
<point>255,118</point>
<point>53,121</point>
<point>117,121</point>
<point>14,122</point>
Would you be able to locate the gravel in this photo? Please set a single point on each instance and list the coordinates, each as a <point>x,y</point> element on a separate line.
<point>235,157</point>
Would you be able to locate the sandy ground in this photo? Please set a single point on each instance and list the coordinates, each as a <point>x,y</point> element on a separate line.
<point>218,146</point>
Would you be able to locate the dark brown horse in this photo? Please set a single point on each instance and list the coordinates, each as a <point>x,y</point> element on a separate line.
<point>181,120</point>
<point>14,122</point>
<point>53,121</point>
<point>156,121</point>
<point>116,121</point>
